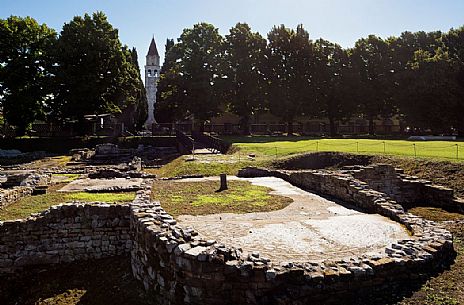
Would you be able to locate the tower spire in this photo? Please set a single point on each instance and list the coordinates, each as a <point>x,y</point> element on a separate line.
<point>153,50</point>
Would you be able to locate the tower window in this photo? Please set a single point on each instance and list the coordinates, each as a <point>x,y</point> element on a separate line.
<point>149,72</point>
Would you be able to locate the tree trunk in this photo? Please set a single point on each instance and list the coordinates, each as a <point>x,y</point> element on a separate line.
<point>81,127</point>
<point>245,125</point>
<point>371,126</point>
<point>333,129</point>
<point>290,127</point>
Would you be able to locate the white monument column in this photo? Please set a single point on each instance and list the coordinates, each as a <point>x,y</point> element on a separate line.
<point>152,73</point>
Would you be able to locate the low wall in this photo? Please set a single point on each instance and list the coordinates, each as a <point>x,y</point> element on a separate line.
<point>407,190</point>
<point>8,196</point>
<point>65,233</point>
<point>177,266</point>
<point>25,187</point>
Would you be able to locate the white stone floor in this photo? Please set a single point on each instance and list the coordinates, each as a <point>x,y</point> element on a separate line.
<point>311,228</point>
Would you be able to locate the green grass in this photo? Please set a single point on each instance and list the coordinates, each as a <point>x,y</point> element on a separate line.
<point>34,204</point>
<point>201,198</point>
<point>207,165</point>
<point>67,177</point>
<point>282,146</point>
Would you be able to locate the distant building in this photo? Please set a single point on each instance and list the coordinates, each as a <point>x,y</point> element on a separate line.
<point>152,73</point>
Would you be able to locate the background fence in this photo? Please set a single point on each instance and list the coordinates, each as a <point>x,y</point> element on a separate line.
<point>437,149</point>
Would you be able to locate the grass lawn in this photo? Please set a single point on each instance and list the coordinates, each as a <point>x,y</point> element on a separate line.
<point>66,178</point>
<point>207,165</point>
<point>283,146</point>
<point>34,204</point>
<point>201,198</point>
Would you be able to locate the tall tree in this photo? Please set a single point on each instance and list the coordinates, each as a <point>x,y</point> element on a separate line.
<point>169,105</point>
<point>288,73</point>
<point>333,82</point>
<point>436,96</point>
<point>134,107</point>
<point>24,69</point>
<point>195,72</point>
<point>95,74</point>
<point>243,72</point>
<point>372,62</point>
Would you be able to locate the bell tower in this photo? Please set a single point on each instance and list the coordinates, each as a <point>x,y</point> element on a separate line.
<point>152,73</point>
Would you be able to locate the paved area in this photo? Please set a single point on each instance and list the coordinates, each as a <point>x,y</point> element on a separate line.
<point>311,228</point>
<point>82,185</point>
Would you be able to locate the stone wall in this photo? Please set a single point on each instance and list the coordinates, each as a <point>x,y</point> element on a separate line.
<point>65,233</point>
<point>407,190</point>
<point>177,266</point>
<point>8,196</point>
<point>19,186</point>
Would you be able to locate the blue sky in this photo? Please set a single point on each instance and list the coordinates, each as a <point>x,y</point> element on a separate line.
<point>336,20</point>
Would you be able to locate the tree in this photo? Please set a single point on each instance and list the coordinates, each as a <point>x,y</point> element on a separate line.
<point>141,112</point>
<point>24,69</point>
<point>288,73</point>
<point>372,63</point>
<point>134,110</point>
<point>436,95</point>
<point>243,65</point>
<point>95,74</point>
<point>333,82</point>
<point>195,73</point>
<point>169,105</point>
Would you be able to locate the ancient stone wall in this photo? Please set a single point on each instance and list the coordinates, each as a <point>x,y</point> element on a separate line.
<point>19,186</point>
<point>407,190</point>
<point>177,266</point>
<point>65,233</point>
<point>8,196</point>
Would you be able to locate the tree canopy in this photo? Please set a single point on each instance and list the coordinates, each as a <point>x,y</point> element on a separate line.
<point>95,74</point>
<point>25,70</point>
<point>418,76</point>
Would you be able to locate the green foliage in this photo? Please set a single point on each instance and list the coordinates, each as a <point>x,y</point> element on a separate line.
<point>333,80</point>
<point>243,72</point>
<point>95,74</point>
<point>372,62</point>
<point>191,74</point>
<point>288,72</point>
<point>25,69</point>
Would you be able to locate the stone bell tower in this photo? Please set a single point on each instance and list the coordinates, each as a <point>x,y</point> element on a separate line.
<point>152,73</point>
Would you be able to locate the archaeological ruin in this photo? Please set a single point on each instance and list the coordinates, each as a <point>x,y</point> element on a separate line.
<point>347,233</point>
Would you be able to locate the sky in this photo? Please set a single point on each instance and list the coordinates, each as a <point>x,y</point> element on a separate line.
<point>339,21</point>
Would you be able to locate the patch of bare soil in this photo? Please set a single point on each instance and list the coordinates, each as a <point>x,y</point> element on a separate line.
<point>100,282</point>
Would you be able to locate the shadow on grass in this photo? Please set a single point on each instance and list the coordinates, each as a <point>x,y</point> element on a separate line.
<point>99,282</point>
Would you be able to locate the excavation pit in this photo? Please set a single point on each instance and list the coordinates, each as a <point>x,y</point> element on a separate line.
<point>310,228</point>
